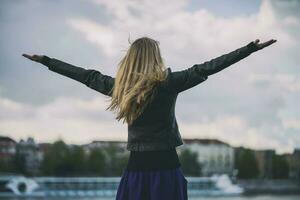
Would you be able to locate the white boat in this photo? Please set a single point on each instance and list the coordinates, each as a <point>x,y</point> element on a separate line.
<point>14,185</point>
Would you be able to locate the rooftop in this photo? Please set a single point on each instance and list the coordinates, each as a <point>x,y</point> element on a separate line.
<point>203,141</point>
<point>6,139</point>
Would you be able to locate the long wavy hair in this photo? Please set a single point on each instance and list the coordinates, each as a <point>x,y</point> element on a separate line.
<point>139,72</point>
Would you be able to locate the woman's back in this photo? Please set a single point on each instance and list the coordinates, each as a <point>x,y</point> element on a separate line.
<point>156,128</point>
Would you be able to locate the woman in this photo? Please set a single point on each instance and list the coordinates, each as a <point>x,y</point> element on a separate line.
<point>143,94</point>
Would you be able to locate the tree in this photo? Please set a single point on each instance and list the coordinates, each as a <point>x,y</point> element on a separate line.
<point>247,165</point>
<point>96,162</point>
<point>54,162</point>
<point>7,165</point>
<point>115,160</point>
<point>64,160</point>
<point>76,161</point>
<point>280,167</point>
<point>189,163</point>
<point>19,162</point>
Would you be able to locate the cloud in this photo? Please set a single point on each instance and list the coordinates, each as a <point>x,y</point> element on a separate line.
<point>291,123</point>
<point>79,121</point>
<point>74,120</point>
<point>235,130</point>
<point>287,82</point>
<point>193,35</point>
<point>95,33</point>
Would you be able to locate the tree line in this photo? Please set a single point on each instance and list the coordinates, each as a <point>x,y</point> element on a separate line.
<point>61,159</point>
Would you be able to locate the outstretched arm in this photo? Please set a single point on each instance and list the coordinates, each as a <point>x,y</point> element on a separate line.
<point>91,78</point>
<point>188,78</point>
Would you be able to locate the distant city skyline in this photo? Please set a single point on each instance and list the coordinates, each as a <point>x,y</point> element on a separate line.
<point>187,141</point>
<point>253,103</point>
<point>203,157</point>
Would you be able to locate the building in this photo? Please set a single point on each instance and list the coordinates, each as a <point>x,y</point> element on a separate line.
<point>294,164</point>
<point>32,155</point>
<point>7,148</point>
<point>120,145</point>
<point>215,157</point>
<point>264,162</point>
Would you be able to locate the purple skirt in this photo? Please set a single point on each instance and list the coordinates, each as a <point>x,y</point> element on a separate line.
<point>167,184</point>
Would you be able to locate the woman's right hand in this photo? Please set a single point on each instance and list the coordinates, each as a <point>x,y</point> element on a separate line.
<point>36,58</point>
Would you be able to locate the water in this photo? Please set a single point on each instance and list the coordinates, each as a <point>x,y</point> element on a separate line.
<point>256,197</point>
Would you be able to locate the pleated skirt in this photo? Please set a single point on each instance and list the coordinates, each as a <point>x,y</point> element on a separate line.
<point>152,184</point>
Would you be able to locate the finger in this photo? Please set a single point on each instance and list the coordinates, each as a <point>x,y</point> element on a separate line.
<point>273,40</point>
<point>27,56</point>
<point>269,42</point>
<point>256,41</point>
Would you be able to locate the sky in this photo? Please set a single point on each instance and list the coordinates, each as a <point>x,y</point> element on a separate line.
<point>252,103</point>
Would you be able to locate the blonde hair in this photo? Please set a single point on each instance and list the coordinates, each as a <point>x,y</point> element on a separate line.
<point>140,70</point>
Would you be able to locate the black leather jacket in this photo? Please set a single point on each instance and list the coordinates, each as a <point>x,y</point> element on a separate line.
<point>156,128</point>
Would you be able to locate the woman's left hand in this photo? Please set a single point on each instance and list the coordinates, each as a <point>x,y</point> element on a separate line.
<point>260,46</point>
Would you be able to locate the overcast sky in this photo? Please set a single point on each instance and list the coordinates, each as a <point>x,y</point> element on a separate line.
<point>252,103</point>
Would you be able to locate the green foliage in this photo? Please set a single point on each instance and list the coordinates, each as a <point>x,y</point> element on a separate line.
<point>189,163</point>
<point>115,162</point>
<point>63,160</point>
<point>55,160</point>
<point>280,167</point>
<point>19,163</point>
<point>15,164</point>
<point>96,162</point>
<point>247,165</point>
<point>7,166</point>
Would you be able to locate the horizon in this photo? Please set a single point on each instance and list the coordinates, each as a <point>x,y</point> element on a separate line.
<point>125,141</point>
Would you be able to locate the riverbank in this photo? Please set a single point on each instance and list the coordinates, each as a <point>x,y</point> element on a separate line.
<point>270,186</point>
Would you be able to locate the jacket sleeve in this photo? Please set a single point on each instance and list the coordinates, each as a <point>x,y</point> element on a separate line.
<point>91,78</point>
<point>190,77</point>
